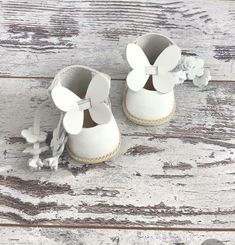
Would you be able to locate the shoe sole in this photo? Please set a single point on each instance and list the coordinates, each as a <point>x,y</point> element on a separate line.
<point>145,122</point>
<point>96,159</point>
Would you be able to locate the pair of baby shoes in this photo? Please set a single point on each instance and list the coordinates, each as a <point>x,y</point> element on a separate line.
<point>87,127</point>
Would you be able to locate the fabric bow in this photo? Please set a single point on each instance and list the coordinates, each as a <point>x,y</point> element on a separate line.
<point>163,79</point>
<point>97,94</point>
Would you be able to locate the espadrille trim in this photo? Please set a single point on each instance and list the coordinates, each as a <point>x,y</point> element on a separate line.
<point>96,159</point>
<point>141,121</point>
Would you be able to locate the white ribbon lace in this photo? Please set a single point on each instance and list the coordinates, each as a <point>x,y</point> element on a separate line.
<point>36,139</point>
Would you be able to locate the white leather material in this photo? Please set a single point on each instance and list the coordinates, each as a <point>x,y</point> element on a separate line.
<point>96,141</point>
<point>149,105</point>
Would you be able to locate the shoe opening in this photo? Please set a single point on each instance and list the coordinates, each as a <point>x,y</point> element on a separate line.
<point>152,44</point>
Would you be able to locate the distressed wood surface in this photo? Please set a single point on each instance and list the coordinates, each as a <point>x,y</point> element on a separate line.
<point>38,236</point>
<point>38,38</point>
<point>181,174</point>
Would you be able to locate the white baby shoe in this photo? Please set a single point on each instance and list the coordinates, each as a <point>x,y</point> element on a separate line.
<point>86,123</point>
<point>157,66</point>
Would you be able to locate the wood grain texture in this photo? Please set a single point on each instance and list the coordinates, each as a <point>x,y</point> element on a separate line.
<point>38,236</point>
<point>181,174</point>
<point>38,38</point>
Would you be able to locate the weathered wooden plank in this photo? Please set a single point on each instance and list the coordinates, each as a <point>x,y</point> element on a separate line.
<point>181,174</point>
<point>38,39</point>
<point>56,236</point>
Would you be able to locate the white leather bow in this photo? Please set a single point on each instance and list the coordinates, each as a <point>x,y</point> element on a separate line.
<point>97,94</point>
<point>163,79</point>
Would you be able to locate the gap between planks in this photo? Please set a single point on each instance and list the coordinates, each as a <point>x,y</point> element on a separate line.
<point>113,78</point>
<point>110,227</point>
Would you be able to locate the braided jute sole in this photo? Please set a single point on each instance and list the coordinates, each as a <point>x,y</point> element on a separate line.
<point>144,122</point>
<point>96,159</point>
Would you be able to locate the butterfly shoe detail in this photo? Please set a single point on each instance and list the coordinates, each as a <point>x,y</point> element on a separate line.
<point>156,67</point>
